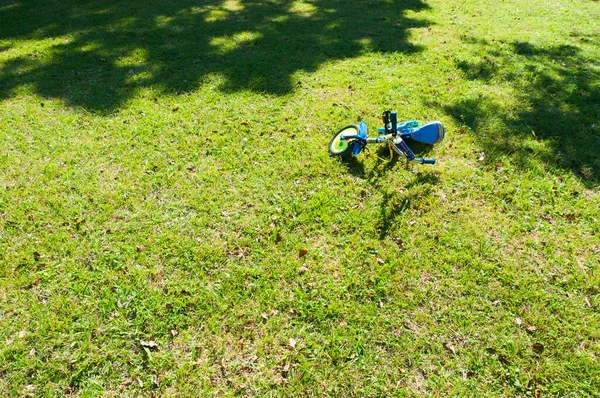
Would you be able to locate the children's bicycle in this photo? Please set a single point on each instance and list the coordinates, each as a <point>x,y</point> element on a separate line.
<point>352,139</point>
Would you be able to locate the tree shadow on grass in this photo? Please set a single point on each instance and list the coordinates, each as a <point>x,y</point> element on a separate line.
<point>558,90</point>
<point>98,54</point>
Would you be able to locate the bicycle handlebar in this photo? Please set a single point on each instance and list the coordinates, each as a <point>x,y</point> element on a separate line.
<point>398,145</point>
<point>425,160</point>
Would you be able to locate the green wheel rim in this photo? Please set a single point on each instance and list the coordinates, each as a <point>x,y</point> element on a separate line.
<point>338,145</point>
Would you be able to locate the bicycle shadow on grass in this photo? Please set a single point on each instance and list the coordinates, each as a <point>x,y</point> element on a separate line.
<point>99,54</point>
<point>383,164</point>
<point>558,99</point>
<point>396,203</point>
<point>397,200</point>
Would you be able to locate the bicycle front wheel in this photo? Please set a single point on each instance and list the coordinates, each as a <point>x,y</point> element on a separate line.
<point>341,147</point>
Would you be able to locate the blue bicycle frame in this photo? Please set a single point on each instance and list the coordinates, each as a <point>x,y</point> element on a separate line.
<point>395,134</point>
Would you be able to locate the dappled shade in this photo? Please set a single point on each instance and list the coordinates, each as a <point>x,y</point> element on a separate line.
<point>98,54</point>
<point>559,95</point>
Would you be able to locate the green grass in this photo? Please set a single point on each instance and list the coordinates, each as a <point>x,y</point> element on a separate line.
<point>172,224</point>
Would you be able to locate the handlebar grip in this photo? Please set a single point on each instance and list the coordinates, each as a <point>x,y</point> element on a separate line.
<point>427,161</point>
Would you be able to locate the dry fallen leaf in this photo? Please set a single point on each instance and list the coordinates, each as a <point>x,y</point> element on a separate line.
<point>380,261</point>
<point>302,253</point>
<point>303,269</point>
<point>174,332</point>
<point>292,343</point>
<point>538,347</point>
<point>531,328</point>
<point>22,334</point>
<point>238,253</point>
<point>503,360</point>
<point>148,344</point>
<point>399,242</point>
<point>518,321</point>
<point>449,348</point>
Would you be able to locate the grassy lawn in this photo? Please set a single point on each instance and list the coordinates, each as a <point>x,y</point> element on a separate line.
<point>171,223</point>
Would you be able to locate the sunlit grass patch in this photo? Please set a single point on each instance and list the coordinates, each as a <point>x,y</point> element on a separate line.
<point>303,8</point>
